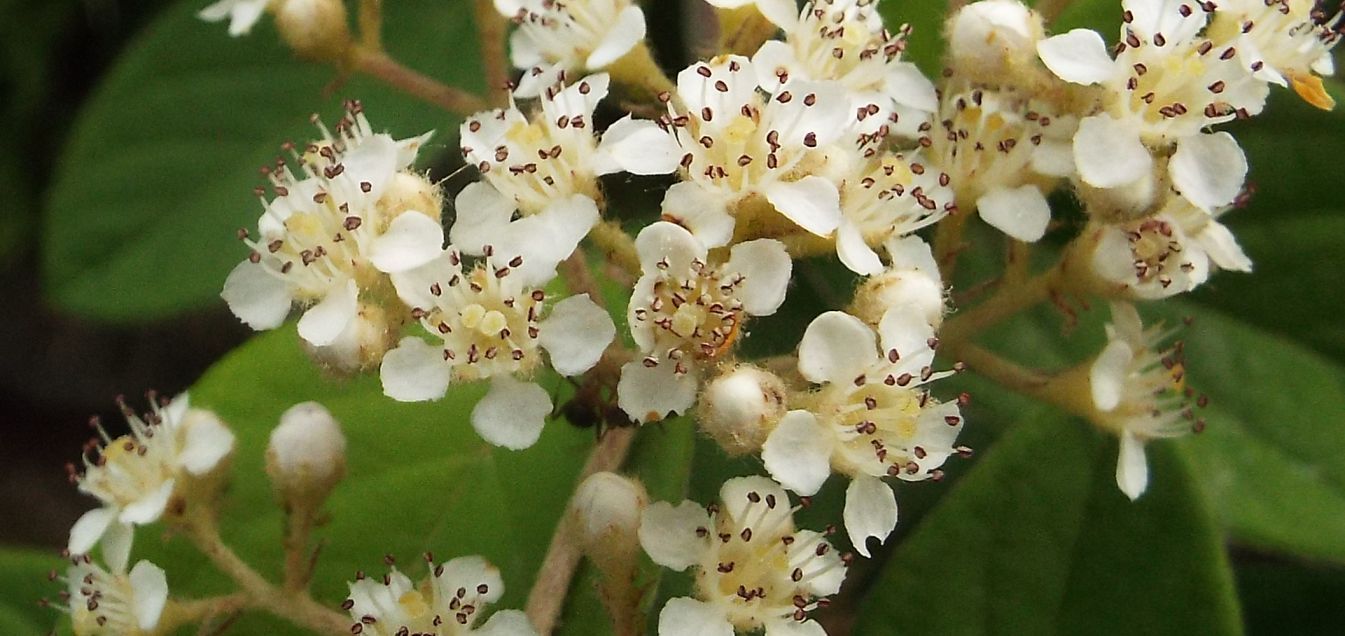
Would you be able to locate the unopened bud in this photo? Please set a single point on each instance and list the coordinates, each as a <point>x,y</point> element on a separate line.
<point>740,409</point>
<point>606,513</point>
<point>993,41</point>
<point>307,454</point>
<point>314,29</point>
<point>410,192</point>
<point>361,345</point>
<point>910,290</point>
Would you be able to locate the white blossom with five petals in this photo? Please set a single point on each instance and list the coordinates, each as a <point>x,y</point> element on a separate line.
<point>114,602</point>
<point>450,602</point>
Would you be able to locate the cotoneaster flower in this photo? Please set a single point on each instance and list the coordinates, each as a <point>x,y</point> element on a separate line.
<point>490,321</point>
<point>745,153</point>
<point>114,602</point>
<point>1139,392</point>
<point>687,312</point>
<point>569,37</point>
<point>1285,42</point>
<point>339,221</point>
<point>135,476</point>
<point>754,570</point>
<point>1165,87</point>
<point>870,418</point>
<point>887,196</point>
<point>449,602</point>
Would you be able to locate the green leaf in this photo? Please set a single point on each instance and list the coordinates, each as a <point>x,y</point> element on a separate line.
<point>158,174</point>
<point>419,479</point>
<point>24,582</point>
<point>1037,539</point>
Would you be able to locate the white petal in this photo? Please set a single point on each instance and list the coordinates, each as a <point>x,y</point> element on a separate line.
<point>642,331</point>
<point>545,239</point>
<point>1208,169</point>
<point>912,252</point>
<point>470,572</point>
<point>412,239</point>
<point>1106,378</point>
<point>670,243</point>
<point>1152,17</point>
<point>836,347</point>
<point>622,36</point>
<point>698,92</point>
<point>1223,248</point>
<point>150,506</point>
<point>205,441</point>
<point>765,267</point>
<point>413,285</point>
<point>506,623</point>
<point>668,534</point>
<point>90,528</point>
<point>414,372</point>
<point>811,202</point>
<point>781,13</point>
<point>648,394</point>
<point>824,574</point>
<point>1053,158</point>
<point>1132,471</point>
<point>512,413</point>
<point>870,512</point>
<point>575,334</point>
<point>699,210</point>
<point>116,545</point>
<point>854,252</point>
<point>801,123</point>
<point>798,453</point>
<point>258,298</point>
<point>525,52</point>
<point>637,146</point>
<point>1020,212</point>
<point>373,161</point>
<point>482,216</point>
<point>1108,152</point>
<point>909,87</point>
<point>791,627</point>
<point>773,57</point>
<point>323,322</point>
<point>908,333</point>
<point>151,594</point>
<point>1079,56</point>
<point>747,501</point>
<point>689,617</point>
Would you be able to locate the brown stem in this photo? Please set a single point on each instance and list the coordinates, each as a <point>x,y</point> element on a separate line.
<point>370,21</point>
<point>382,67</point>
<point>549,590</point>
<point>579,278</point>
<point>298,559</point>
<point>1051,9</point>
<point>490,27</point>
<point>1008,300</point>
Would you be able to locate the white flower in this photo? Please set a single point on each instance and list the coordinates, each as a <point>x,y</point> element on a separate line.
<point>747,154</point>
<point>781,13</point>
<point>992,40</point>
<point>1166,254</point>
<point>845,41</point>
<point>135,476</point>
<point>491,322</point>
<point>887,196</point>
<point>330,232</point>
<point>448,603</point>
<point>114,603</point>
<point>1139,391</point>
<point>1165,86</point>
<point>872,417</point>
<point>1002,154</point>
<point>1286,42</point>
<point>242,14</point>
<point>686,313</point>
<point>583,35</point>
<point>753,569</point>
<point>555,153</point>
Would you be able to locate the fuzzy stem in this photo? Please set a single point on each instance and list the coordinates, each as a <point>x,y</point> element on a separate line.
<point>948,243</point>
<point>490,28</point>
<point>298,527</point>
<point>381,66</point>
<point>617,246</point>
<point>549,590</point>
<point>1010,299</point>
<point>370,22</point>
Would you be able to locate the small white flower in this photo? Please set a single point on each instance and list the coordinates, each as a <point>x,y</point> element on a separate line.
<point>744,153</point>
<point>1166,85</point>
<point>753,569</point>
<point>135,476</point>
<point>242,14</point>
<point>328,233</point>
<point>555,153</point>
<point>872,417</point>
<point>1166,254</point>
<point>114,603</point>
<point>687,313</point>
<point>583,35</point>
<point>1139,391</point>
<point>886,197</point>
<point>1002,153</point>
<point>1286,42</point>
<point>447,603</point>
<point>491,322</point>
<point>845,41</point>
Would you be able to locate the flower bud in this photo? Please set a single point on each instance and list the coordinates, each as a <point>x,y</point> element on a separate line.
<point>407,192</point>
<point>307,455</point>
<point>740,408</point>
<point>910,290</point>
<point>361,345</point>
<point>994,40</point>
<point>314,29</point>
<point>606,514</point>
